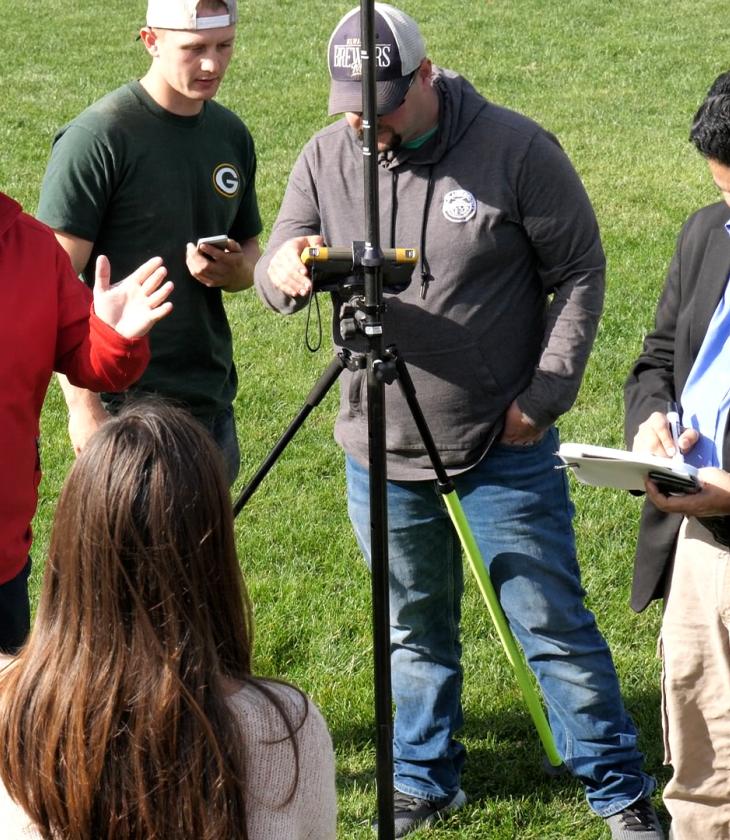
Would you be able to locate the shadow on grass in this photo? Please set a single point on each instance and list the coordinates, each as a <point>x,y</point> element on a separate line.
<point>505,759</point>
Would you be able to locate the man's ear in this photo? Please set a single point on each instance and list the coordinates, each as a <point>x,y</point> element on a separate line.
<point>425,68</point>
<point>149,37</point>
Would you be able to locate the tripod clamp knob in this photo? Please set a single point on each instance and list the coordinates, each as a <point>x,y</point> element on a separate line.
<point>385,369</point>
<point>353,361</point>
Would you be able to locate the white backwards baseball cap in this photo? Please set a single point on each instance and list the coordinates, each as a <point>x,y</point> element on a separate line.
<point>183,14</point>
<point>399,50</point>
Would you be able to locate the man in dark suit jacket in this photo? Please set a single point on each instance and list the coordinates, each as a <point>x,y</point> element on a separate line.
<point>682,553</point>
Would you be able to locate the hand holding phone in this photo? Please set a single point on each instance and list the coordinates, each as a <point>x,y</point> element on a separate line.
<point>220,241</point>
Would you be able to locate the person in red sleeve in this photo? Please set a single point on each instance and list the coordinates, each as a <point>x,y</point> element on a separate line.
<point>48,323</point>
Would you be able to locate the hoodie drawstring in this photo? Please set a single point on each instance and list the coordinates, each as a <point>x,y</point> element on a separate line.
<point>426,276</point>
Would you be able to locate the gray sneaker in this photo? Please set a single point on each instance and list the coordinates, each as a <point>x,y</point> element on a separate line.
<point>637,822</point>
<point>411,813</point>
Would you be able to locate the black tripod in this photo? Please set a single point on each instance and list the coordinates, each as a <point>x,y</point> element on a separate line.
<point>385,369</point>
<point>358,313</point>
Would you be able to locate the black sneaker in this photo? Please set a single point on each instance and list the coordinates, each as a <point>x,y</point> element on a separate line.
<point>411,813</point>
<point>637,822</point>
<point>552,771</point>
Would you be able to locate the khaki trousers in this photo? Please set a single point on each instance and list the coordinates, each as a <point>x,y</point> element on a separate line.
<point>695,647</point>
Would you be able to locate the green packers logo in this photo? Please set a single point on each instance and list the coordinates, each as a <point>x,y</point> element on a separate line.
<point>226,180</point>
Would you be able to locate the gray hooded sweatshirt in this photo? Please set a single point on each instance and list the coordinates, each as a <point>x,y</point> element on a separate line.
<point>510,260</point>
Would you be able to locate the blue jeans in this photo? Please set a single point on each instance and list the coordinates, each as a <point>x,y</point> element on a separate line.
<point>222,427</point>
<point>519,510</point>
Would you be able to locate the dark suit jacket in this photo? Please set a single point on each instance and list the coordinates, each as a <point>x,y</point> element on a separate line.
<point>695,283</point>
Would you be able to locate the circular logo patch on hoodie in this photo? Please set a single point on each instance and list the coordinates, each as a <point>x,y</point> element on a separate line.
<point>459,206</point>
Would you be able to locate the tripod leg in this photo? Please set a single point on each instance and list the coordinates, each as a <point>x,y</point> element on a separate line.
<point>476,562</point>
<point>315,396</point>
<point>380,587</point>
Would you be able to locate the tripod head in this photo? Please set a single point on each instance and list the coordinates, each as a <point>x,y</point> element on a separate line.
<point>341,269</point>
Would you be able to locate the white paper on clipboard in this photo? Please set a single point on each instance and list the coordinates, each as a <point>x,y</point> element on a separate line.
<point>602,466</point>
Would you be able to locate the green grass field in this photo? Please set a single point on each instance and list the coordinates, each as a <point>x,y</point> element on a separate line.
<point>618,82</point>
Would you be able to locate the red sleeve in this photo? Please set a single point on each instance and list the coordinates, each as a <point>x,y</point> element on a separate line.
<point>92,354</point>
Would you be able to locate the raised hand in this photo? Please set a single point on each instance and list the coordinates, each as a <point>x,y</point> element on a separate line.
<point>134,304</point>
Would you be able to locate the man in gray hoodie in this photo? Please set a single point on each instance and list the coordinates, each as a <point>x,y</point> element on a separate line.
<point>496,332</point>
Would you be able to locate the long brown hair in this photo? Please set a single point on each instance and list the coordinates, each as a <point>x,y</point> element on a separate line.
<point>113,719</point>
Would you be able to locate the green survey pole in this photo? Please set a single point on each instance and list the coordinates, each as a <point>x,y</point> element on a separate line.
<point>474,556</point>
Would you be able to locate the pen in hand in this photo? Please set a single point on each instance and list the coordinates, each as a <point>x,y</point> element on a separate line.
<point>675,428</point>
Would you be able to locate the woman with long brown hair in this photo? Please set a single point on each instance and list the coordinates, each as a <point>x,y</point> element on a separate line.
<point>132,711</point>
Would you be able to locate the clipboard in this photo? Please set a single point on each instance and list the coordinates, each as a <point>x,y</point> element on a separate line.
<point>602,466</point>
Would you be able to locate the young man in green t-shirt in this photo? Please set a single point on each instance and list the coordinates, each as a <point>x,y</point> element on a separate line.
<point>150,169</point>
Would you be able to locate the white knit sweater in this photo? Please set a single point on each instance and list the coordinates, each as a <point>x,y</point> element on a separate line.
<point>270,769</point>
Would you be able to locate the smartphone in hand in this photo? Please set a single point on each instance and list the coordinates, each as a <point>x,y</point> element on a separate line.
<point>220,241</point>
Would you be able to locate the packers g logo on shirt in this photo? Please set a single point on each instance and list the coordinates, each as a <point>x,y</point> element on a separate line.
<point>226,180</point>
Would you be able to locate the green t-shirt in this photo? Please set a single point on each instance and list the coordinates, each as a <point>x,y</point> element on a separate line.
<point>140,182</point>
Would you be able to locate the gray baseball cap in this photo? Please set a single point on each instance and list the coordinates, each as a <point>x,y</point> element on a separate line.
<point>399,50</point>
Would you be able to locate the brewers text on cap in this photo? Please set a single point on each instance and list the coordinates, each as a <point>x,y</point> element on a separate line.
<point>399,50</point>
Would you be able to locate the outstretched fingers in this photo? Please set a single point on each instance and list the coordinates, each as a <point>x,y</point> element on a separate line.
<point>154,281</point>
<point>102,273</point>
<point>157,291</point>
<point>134,304</point>
<point>159,305</point>
<point>148,270</point>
